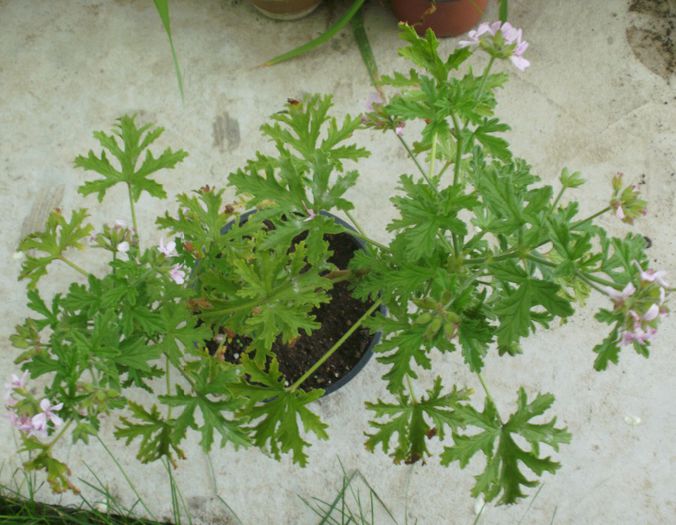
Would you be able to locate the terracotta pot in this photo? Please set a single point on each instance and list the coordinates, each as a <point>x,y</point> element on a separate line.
<point>286,9</point>
<point>451,17</point>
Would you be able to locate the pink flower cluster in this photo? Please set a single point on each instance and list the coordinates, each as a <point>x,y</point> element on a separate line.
<point>168,249</point>
<point>644,306</point>
<point>177,272</point>
<point>627,202</point>
<point>37,424</point>
<point>513,46</point>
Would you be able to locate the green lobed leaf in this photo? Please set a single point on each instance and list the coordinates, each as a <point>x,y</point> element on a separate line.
<point>59,236</point>
<point>414,422</point>
<point>127,144</point>
<point>277,413</point>
<point>503,474</point>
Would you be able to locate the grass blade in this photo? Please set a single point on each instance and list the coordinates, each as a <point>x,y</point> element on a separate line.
<point>126,477</point>
<point>365,50</point>
<point>162,7</point>
<point>320,40</point>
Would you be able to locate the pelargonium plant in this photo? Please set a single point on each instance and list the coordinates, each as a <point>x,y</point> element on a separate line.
<point>481,255</point>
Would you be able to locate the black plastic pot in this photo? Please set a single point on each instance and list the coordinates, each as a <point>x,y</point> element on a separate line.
<point>375,339</point>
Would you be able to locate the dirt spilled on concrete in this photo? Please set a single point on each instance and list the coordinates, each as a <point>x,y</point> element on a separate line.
<point>651,35</point>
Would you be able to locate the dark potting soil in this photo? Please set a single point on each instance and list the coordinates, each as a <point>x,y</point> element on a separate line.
<point>335,317</point>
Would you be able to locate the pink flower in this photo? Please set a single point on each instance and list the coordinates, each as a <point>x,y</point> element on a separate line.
<point>21,423</point>
<point>123,247</point>
<point>374,98</point>
<point>399,130</point>
<point>652,276</point>
<point>40,420</point>
<point>15,383</point>
<point>510,33</point>
<point>169,249</point>
<point>619,297</point>
<point>517,57</point>
<point>511,45</point>
<point>638,335</point>
<point>619,212</point>
<point>651,313</point>
<point>475,35</point>
<point>177,274</point>
<point>310,215</point>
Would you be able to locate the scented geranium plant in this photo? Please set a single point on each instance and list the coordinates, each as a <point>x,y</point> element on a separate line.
<point>481,255</point>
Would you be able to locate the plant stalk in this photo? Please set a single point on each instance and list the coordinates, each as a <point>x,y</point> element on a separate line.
<point>415,160</point>
<point>335,347</point>
<point>74,266</point>
<point>591,217</point>
<point>410,389</point>
<point>60,433</point>
<point>485,77</point>
<point>167,374</point>
<point>133,217</point>
<point>558,197</point>
<point>488,392</point>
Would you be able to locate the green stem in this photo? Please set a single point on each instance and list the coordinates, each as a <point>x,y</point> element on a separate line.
<point>488,392</point>
<point>458,150</point>
<point>58,436</point>
<point>591,283</point>
<point>336,346</point>
<point>599,280</point>
<point>355,223</point>
<point>444,169</point>
<point>558,197</point>
<point>591,217</point>
<point>167,375</point>
<point>360,232</point>
<point>485,77</point>
<point>74,266</point>
<point>540,260</point>
<point>415,160</point>
<point>482,260</point>
<point>133,216</point>
<point>434,157</point>
<point>588,276</point>
<point>410,389</point>
<point>457,248</point>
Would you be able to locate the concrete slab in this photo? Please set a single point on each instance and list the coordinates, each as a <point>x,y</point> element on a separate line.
<point>598,98</point>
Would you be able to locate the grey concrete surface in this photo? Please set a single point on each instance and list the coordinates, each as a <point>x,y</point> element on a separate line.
<point>598,98</point>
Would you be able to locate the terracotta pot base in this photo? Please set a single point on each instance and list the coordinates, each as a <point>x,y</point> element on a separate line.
<point>451,18</point>
<point>285,9</point>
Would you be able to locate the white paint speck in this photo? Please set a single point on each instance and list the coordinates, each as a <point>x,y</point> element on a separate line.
<point>632,420</point>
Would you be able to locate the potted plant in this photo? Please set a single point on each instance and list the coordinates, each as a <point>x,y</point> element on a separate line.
<point>482,254</point>
<point>444,17</point>
<point>286,9</point>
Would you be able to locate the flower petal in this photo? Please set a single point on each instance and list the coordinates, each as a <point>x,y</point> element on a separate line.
<point>519,62</point>
<point>651,313</point>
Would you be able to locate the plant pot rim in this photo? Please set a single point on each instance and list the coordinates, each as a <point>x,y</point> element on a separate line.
<point>375,337</point>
